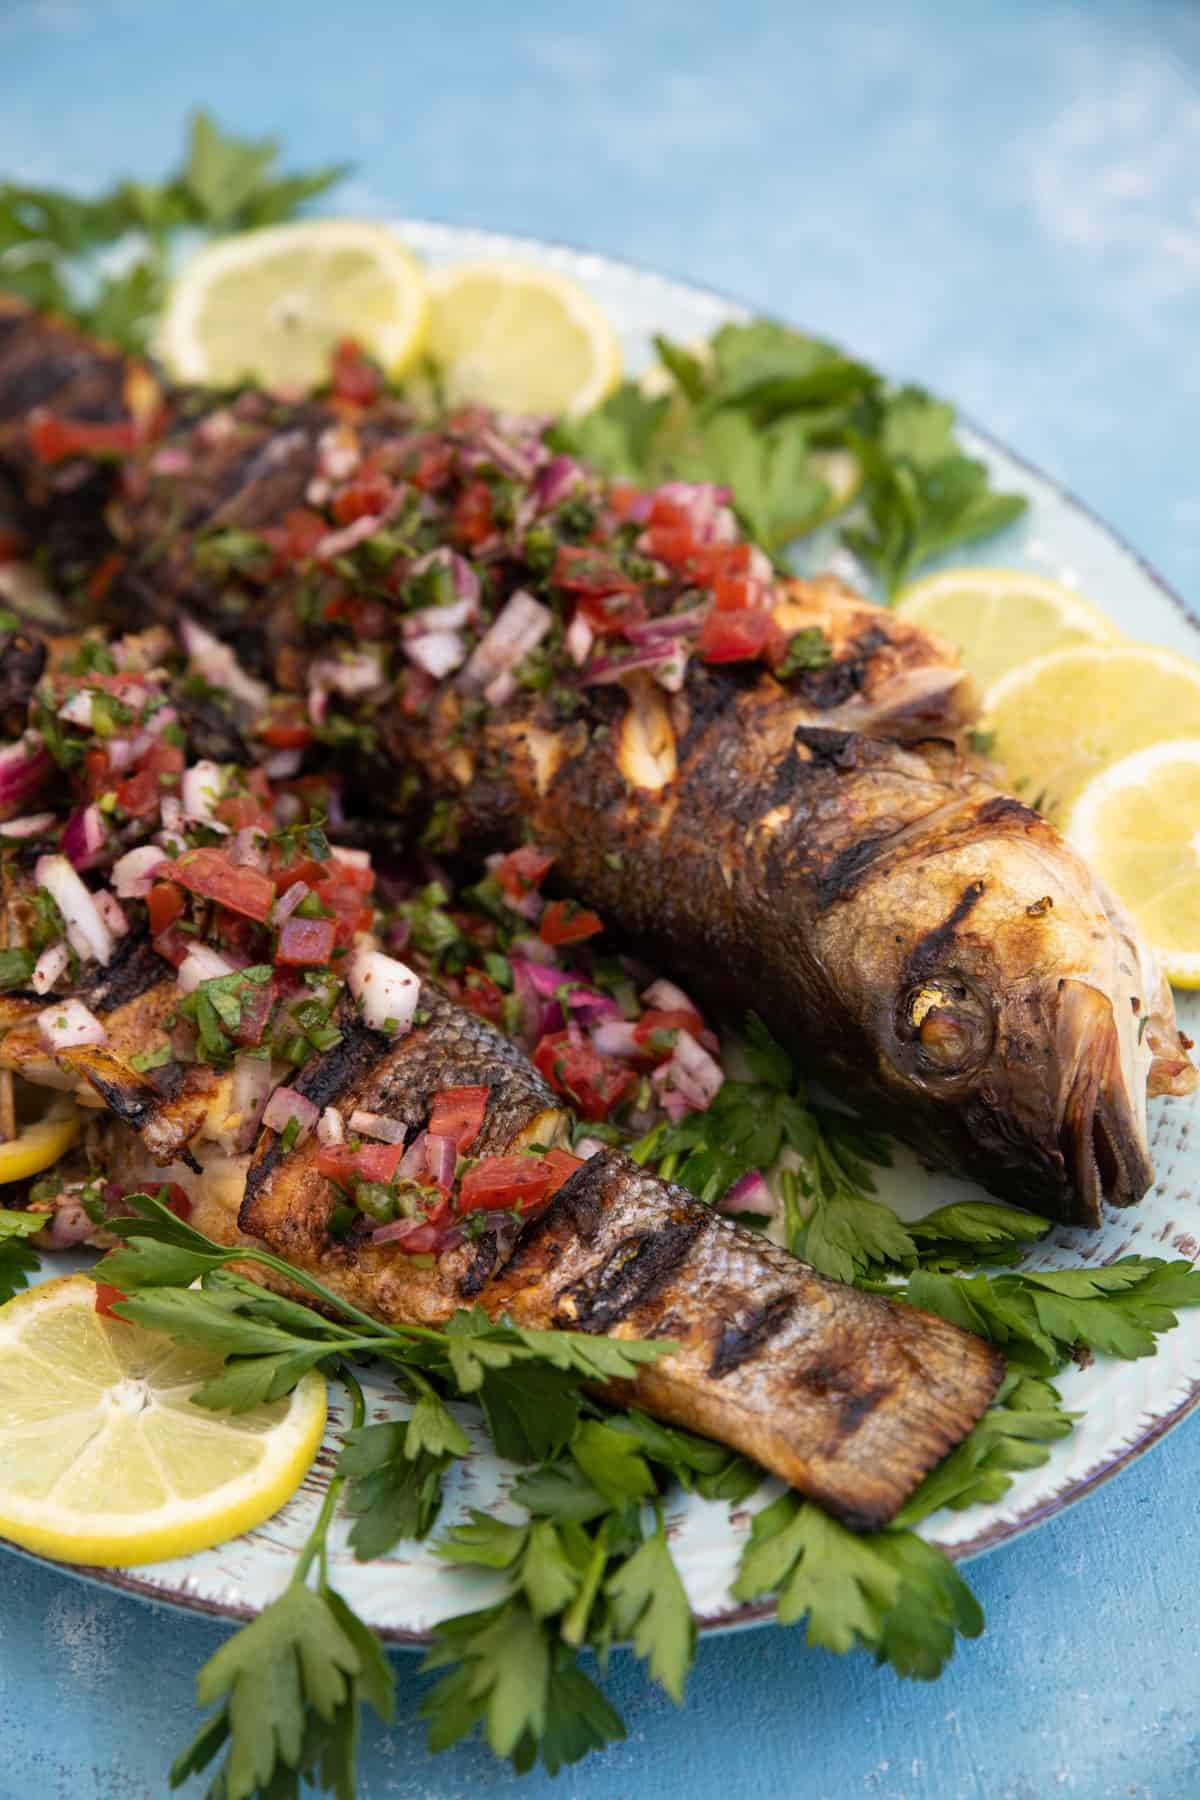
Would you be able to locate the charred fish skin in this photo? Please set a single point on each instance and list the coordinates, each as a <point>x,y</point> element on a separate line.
<point>881,906</point>
<point>850,1397</point>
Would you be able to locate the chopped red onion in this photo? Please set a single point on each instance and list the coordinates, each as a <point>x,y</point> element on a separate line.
<point>398,1232</point>
<point>330,1127</point>
<point>353,675</point>
<point>133,873</point>
<point>247,849</point>
<point>67,1024</point>
<point>216,662</point>
<point>84,836</point>
<point>200,790</point>
<point>286,1104</point>
<point>579,640</point>
<point>170,460</point>
<point>438,653</point>
<point>706,506</point>
<point>283,765</point>
<point>202,963</point>
<point>441,1159</point>
<point>534,949</point>
<point>386,990</point>
<point>501,688</point>
<point>288,901</point>
<point>667,659</point>
<point>412,1165</point>
<point>67,1227</point>
<point>589,1146</point>
<point>749,1194</point>
<point>338,455</point>
<point>691,1073</point>
<point>664,996</point>
<point>171,812</point>
<point>87,933</point>
<point>654,633</point>
<point>248,1096</point>
<point>50,967</point>
<point>24,766</point>
<point>77,708</point>
<point>112,913</point>
<point>553,483</point>
<point>614,1037</point>
<point>31,826</point>
<point>355,859</point>
<point>336,543</point>
<point>122,751</point>
<point>377,1125</point>
<point>517,629</point>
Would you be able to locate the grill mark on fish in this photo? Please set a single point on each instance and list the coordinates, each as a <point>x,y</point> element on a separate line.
<point>745,1336</point>
<point>931,949</point>
<point>632,1274</point>
<point>136,967</point>
<point>838,681</point>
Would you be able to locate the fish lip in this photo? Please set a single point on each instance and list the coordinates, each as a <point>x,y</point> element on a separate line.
<point>1101,1136</point>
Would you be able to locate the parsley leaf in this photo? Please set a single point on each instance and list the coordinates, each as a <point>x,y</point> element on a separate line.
<point>17,1260</point>
<point>650,1605</point>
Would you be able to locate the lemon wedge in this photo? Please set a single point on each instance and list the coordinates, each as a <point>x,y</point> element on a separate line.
<point>103,1458</point>
<point>272,305</point>
<point>520,339</point>
<point>1058,721</point>
<point>1001,618</point>
<point>1138,824</point>
<point>42,1141</point>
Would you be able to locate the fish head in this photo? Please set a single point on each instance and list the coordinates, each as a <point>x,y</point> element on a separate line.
<point>1015,1017</point>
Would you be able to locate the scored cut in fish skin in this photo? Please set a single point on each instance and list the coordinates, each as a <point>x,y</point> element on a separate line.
<point>916,937</point>
<point>849,1397</point>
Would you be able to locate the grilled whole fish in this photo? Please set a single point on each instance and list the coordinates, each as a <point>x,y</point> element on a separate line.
<point>924,943</point>
<point>849,1397</point>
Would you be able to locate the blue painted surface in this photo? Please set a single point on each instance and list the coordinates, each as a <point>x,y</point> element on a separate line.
<point>1000,201</point>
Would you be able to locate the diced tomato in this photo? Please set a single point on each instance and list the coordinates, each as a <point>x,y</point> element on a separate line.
<point>581,570</point>
<point>523,870</point>
<point>595,1083</point>
<point>108,1296</point>
<point>240,811</point>
<point>356,380</point>
<point>359,877</point>
<point>255,1000</point>
<point>287,728</point>
<point>667,512</point>
<point>433,466</point>
<point>139,795</point>
<point>296,540</point>
<point>565,923</point>
<point>711,561</point>
<point>471,521</point>
<point>370,1162</point>
<point>458,1113</point>
<point>176,1200</point>
<point>210,873</point>
<point>479,994</point>
<point>53,439</point>
<point>165,903</point>
<point>673,544</point>
<point>652,1029</point>
<point>563,1165</point>
<point>303,943</point>
<point>739,593</point>
<point>162,759</point>
<point>97,771</point>
<point>341,891</point>
<point>738,636</point>
<point>362,499</point>
<point>103,576</point>
<point>622,498</point>
<point>13,546</point>
<point>304,869</point>
<point>503,1182</point>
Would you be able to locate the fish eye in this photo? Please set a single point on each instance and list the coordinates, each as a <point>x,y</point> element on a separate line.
<point>944,1026</point>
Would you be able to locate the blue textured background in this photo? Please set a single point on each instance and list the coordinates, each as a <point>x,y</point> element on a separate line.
<point>999,200</point>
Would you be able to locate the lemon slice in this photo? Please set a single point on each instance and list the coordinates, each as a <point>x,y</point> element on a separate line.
<point>520,339</point>
<point>1001,618</point>
<point>1138,824</point>
<point>1060,720</point>
<point>103,1459</point>
<point>271,305</point>
<point>41,1141</point>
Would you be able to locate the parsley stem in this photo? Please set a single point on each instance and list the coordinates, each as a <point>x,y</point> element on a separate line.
<point>316,1539</point>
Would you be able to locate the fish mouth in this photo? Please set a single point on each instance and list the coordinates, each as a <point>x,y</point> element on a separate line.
<point>1102,1136</point>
